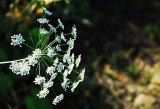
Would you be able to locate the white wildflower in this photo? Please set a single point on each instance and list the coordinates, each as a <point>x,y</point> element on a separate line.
<point>15,67</point>
<point>32,60</point>
<point>69,60</point>
<point>65,83</point>
<point>57,99</point>
<point>72,58</point>
<point>70,43</point>
<point>20,68</point>
<point>42,20</point>
<point>74,31</point>
<point>46,11</point>
<point>60,67</point>
<point>65,74</point>
<point>62,37</point>
<point>52,28</point>
<point>66,58</point>
<point>58,39</point>
<point>56,62</point>
<point>60,24</point>
<point>58,48</point>
<point>24,68</point>
<point>61,57</point>
<point>51,52</point>
<point>48,84</point>
<point>39,80</point>
<point>75,84</point>
<point>43,93</point>
<point>17,40</point>
<point>43,31</point>
<point>78,60</point>
<point>68,51</point>
<point>50,70</point>
<point>37,53</point>
<point>70,68</point>
<point>53,76</point>
<point>82,75</point>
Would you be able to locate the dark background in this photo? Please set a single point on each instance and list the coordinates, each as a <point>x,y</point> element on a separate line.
<point>119,42</point>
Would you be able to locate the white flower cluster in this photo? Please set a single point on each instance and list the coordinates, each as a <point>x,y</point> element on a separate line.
<point>17,40</point>
<point>51,52</point>
<point>33,59</point>
<point>74,31</point>
<point>43,31</point>
<point>46,11</point>
<point>57,99</point>
<point>22,67</point>
<point>39,80</point>
<point>61,24</point>
<point>42,20</point>
<point>57,57</point>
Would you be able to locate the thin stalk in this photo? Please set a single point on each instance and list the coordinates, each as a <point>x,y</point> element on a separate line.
<point>7,62</point>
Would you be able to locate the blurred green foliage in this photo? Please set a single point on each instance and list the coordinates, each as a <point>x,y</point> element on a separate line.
<point>5,83</point>
<point>33,102</point>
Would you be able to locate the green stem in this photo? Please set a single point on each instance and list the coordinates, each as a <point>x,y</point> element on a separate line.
<point>7,62</point>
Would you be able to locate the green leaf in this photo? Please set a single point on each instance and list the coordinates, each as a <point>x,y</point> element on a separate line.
<point>3,56</point>
<point>5,83</point>
<point>33,102</point>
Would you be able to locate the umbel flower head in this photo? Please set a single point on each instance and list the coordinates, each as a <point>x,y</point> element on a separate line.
<point>17,40</point>
<point>52,58</point>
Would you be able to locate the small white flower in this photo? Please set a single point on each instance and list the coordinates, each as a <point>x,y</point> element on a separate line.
<point>32,60</point>
<point>43,93</point>
<point>53,76</point>
<point>69,60</point>
<point>60,24</point>
<point>62,37</point>
<point>68,51</point>
<point>50,70</point>
<point>65,83</point>
<point>20,68</point>
<point>65,74</point>
<point>70,43</point>
<point>43,31</point>
<point>57,99</point>
<point>70,68</point>
<point>15,67</point>
<point>58,48</point>
<point>42,20</point>
<point>74,31</point>
<point>75,84</point>
<point>17,40</point>
<point>24,68</point>
<point>56,62</point>
<point>48,84</point>
<point>78,60</point>
<point>66,58</point>
<point>51,52</point>
<point>52,28</point>
<point>39,80</point>
<point>37,53</point>
<point>60,67</point>
<point>72,58</point>
<point>58,39</point>
<point>82,75</point>
<point>46,11</point>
